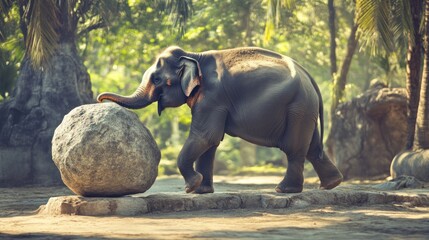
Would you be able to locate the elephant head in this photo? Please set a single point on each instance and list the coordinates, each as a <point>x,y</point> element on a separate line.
<point>170,81</point>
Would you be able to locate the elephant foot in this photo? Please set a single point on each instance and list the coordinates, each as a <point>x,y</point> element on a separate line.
<point>288,189</point>
<point>328,173</point>
<point>204,189</point>
<point>332,182</point>
<point>193,183</point>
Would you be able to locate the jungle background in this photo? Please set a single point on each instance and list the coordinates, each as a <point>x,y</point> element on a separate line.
<point>118,40</point>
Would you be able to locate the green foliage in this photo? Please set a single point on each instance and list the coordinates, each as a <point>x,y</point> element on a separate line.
<point>118,56</point>
<point>8,73</point>
<point>168,164</point>
<point>178,11</point>
<point>11,48</point>
<point>273,17</point>
<point>228,153</point>
<point>260,170</point>
<point>119,40</point>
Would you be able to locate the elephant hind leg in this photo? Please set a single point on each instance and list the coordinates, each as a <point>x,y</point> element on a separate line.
<point>328,173</point>
<point>295,144</point>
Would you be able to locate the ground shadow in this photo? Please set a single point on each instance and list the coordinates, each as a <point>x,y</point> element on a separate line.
<point>45,236</point>
<point>26,200</point>
<point>358,223</point>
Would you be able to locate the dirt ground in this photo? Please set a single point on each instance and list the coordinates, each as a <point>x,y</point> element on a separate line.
<point>18,218</point>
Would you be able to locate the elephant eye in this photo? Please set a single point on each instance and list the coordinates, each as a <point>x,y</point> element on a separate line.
<point>157,80</point>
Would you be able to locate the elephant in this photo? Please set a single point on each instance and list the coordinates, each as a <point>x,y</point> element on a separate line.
<point>256,94</point>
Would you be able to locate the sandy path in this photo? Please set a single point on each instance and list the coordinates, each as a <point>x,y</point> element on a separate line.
<point>365,222</point>
<point>389,221</point>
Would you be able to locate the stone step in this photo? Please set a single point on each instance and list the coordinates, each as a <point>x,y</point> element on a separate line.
<point>163,202</point>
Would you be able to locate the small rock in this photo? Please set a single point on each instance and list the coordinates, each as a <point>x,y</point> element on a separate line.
<point>104,150</point>
<point>411,163</point>
<point>400,182</point>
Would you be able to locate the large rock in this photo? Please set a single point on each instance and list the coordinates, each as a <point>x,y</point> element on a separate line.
<point>368,132</point>
<point>36,107</point>
<point>104,150</point>
<point>411,163</point>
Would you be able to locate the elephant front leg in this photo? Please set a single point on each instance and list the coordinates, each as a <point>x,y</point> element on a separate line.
<point>191,151</point>
<point>205,167</point>
<point>207,129</point>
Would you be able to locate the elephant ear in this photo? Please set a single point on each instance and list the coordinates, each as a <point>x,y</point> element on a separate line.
<point>190,74</point>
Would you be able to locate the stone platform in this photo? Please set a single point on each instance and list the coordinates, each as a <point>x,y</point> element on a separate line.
<point>230,195</point>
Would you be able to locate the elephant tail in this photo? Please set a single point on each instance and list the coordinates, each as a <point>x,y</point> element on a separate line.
<point>319,95</point>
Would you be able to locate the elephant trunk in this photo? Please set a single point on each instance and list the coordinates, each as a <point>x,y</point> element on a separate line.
<point>135,101</point>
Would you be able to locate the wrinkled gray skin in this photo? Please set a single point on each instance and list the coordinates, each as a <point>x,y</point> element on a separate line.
<point>255,94</point>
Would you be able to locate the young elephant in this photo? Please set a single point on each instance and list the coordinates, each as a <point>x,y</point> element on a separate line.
<point>255,94</point>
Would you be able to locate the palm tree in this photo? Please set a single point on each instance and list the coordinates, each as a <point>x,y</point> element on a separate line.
<point>414,61</point>
<point>387,23</point>
<point>395,24</point>
<point>52,79</point>
<point>422,123</point>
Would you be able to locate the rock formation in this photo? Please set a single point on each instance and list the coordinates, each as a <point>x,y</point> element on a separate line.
<point>104,150</point>
<point>368,132</point>
<point>29,117</point>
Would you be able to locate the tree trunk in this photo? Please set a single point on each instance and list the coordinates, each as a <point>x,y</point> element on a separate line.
<point>421,140</point>
<point>415,162</point>
<point>245,14</point>
<point>332,34</point>
<point>414,58</point>
<point>29,118</point>
<point>340,82</point>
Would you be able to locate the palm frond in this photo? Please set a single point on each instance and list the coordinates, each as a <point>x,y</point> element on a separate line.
<point>385,23</point>
<point>288,4</point>
<point>179,12</point>
<point>402,21</point>
<point>273,16</point>
<point>270,20</point>
<point>365,17</point>
<point>95,14</point>
<point>107,10</point>
<point>5,6</point>
<point>43,38</point>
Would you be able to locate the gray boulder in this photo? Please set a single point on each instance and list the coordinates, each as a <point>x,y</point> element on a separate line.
<point>104,150</point>
<point>411,163</point>
<point>368,131</point>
